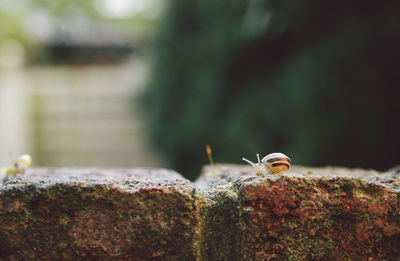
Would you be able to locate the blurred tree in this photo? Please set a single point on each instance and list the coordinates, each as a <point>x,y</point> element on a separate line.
<point>318,81</point>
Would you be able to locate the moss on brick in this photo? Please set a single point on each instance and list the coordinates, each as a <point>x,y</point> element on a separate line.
<point>96,218</point>
<point>301,219</point>
<point>219,224</point>
<point>313,213</point>
<point>309,214</point>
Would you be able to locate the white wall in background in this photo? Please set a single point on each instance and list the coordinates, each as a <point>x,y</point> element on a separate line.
<point>75,116</point>
<point>14,104</point>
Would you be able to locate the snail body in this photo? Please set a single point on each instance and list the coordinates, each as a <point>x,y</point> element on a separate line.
<point>274,163</point>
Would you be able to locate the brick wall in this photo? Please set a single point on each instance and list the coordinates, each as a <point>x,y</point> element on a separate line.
<point>228,214</point>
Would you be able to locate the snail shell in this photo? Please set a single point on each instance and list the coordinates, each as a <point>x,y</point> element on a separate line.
<point>24,161</point>
<point>21,164</point>
<point>277,163</point>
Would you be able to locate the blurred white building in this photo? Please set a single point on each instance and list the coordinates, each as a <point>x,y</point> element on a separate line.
<point>79,108</point>
<point>74,115</point>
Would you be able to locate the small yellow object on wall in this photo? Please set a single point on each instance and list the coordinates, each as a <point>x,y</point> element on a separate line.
<point>18,167</point>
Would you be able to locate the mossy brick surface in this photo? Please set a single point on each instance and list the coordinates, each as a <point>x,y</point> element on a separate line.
<point>219,223</point>
<point>308,213</point>
<point>228,214</point>
<point>97,214</point>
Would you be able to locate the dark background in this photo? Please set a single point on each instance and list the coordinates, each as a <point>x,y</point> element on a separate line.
<point>318,81</point>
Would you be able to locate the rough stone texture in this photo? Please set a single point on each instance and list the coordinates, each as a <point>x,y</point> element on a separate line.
<point>228,214</point>
<point>311,213</point>
<point>219,227</point>
<point>97,214</point>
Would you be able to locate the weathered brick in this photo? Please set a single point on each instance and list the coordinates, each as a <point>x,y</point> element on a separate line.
<point>228,214</point>
<point>97,214</point>
<point>219,223</point>
<point>313,213</point>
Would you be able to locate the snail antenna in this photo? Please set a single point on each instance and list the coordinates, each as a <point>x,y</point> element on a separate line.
<point>258,158</point>
<point>248,161</point>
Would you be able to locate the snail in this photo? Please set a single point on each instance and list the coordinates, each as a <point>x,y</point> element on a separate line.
<point>274,163</point>
<point>18,167</point>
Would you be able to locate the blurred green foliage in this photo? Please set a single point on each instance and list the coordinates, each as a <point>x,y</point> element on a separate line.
<point>10,27</point>
<point>316,80</point>
<point>40,25</point>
